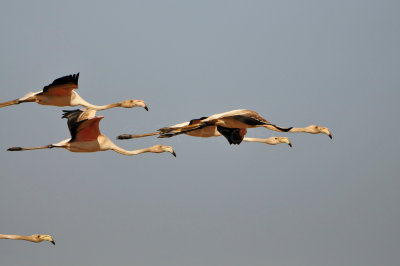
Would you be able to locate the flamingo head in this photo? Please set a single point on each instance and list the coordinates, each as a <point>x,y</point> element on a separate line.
<point>134,103</point>
<point>40,238</point>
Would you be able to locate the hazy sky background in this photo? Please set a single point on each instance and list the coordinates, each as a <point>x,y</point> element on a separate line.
<point>322,202</point>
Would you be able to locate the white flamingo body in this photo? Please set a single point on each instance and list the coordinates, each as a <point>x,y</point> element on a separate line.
<point>205,132</point>
<point>71,99</point>
<point>212,131</point>
<point>86,137</point>
<point>242,119</point>
<point>61,93</point>
<point>102,143</point>
<point>232,125</point>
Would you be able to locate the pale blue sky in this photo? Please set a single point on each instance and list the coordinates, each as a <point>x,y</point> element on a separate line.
<point>322,202</point>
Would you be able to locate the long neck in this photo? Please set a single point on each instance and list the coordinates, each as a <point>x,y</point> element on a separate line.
<point>126,152</point>
<point>101,107</point>
<point>309,129</point>
<point>300,129</point>
<point>267,141</point>
<point>16,237</point>
<point>78,100</point>
<point>107,144</point>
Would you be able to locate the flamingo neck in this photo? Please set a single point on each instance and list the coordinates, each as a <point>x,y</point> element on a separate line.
<point>78,100</point>
<point>267,141</point>
<point>126,152</point>
<point>15,237</point>
<point>107,144</point>
<point>300,129</point>
<point>101,107</point>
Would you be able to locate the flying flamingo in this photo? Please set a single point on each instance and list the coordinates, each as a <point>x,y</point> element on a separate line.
<point>241,119</point>
<point>233,135</point>
<point>33,238</point>
<point>233,122</point>
<point>86,137</point>
<point>61,93</point>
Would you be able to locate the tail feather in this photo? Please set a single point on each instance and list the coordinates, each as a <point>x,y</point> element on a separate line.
<point>16,101</point>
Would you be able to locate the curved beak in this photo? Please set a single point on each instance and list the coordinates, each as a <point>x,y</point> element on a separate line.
<point>53,242</point>
<point>326,131</point>
<point>147,109</point>
<point>285,140</point>
<point>173,153</point>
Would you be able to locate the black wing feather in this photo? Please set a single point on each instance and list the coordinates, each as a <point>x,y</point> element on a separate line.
<point>250,120</point>
<point>231,134</point>
<point>70,79</point>
<point>72,116</point>
<point>197,120</point>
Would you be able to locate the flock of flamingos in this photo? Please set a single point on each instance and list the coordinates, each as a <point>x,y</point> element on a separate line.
<point>83,125</point>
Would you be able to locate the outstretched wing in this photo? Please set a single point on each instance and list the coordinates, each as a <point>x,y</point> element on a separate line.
<point>233,135</point>
<point>62,86</point>
<point>86,130</point>
<point>75,117</point>
<point>250,117</point>
<point>197,120</point>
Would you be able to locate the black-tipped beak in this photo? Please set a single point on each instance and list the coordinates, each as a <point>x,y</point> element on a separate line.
<point>330,136</point>
<point>147,109</point>
<point>54,243</point>
<point>290,144</point>
<point>174,154</point>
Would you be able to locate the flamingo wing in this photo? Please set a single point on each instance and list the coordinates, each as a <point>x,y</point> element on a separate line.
<point>73,117</point>
<point>233,135</point>
<point>82,124</point>
<point>250,117</point>
<point>197,120</point>
<point>62,86</point>
<point>86,130</point>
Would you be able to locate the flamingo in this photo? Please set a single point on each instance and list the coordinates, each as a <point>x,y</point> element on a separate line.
<point>241,119</point>
<point>232,124</point>
<point>33,238</point>
<point>61,93</point>
<point>86,137</point>
<point>233,135</point>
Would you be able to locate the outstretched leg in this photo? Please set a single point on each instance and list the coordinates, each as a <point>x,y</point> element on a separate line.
<point>128,136</point>
<point>33,148</point>
<point>13,102</point>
